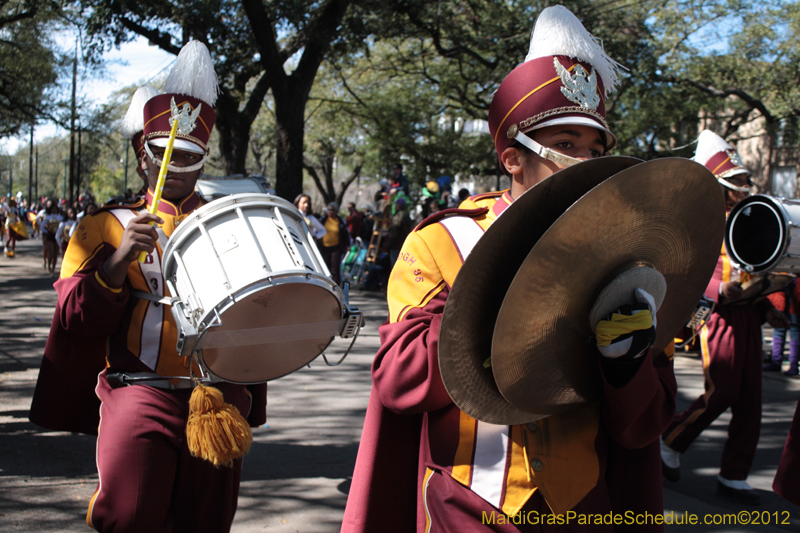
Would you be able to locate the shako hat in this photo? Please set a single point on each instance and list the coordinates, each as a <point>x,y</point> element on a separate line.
<point>720,158</point>
<point>565,79</point>
<point>133,122</point>
<point>190,93</point>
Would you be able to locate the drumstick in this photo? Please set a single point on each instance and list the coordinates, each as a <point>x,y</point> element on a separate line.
<point>162,177</point>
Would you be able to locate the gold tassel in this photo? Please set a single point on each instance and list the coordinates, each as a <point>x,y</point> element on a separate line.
<point>216,431</point>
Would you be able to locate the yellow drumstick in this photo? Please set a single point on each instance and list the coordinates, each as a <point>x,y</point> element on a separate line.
<point>162,177</point>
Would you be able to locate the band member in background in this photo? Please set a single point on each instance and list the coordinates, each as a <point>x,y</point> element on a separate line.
<point>52,219</point>
<point>133,128</point>
<point>105,322</point>
<point>412,472</point>
<point>731,349</point>
<point>64,231</point>
<point>14,227</point>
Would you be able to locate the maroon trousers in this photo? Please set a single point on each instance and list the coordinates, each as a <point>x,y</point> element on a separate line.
<point>452,508</point>
<point>787,478</point>
<point>732,353</point>
<point>148,479</point>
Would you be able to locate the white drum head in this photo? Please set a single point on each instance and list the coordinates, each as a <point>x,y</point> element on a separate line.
<point>303,319</point>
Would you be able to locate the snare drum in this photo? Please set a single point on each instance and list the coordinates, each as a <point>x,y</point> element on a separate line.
<point>254,299</point>
<point>762,234</point>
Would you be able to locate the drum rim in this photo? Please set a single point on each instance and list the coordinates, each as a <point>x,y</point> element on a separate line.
<point>780,213</point>
<point>222,206</point>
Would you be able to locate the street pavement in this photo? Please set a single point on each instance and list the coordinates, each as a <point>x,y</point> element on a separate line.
<point>297,474</point>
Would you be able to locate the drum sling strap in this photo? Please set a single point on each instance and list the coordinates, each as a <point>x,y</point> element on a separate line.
<point>164,300</point>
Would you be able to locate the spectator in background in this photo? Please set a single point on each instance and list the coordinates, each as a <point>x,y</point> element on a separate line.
<point>354,221</point>
<point>367,225</point>
<point>400,180</point>
<point>303,203</point>
<point>399,229</point>
<point>335,242</point>
<point>787,302</point>
<point>430,199</point>
<point>383,191</point>
<point>463,194</point>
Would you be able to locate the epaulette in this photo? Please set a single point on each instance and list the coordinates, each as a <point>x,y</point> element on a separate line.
<point>136,205</point>
<point>483,196</point>
<point>439,215</point>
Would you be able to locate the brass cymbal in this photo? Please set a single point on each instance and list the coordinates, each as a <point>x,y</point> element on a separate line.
<point>465,335</point>
<point>667,214</point>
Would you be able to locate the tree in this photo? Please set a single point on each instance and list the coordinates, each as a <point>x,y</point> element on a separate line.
<point>257,47</point>
<point>28,65</point>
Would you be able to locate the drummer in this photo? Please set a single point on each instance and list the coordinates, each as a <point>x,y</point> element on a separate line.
<point>731,348</point>
<point>420,466</point>
<point>148,481</point>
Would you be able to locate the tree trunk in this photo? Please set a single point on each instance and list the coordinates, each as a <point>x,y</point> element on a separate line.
<point>234,135</point>
<point>290,132</point>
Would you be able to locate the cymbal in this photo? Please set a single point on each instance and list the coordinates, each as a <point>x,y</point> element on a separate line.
<point>667,214</point>
<point>465,335</point>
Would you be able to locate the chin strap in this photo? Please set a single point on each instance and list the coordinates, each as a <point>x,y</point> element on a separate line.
<point>543,152</point>
<point>173,168</point>
<point>730,185</point>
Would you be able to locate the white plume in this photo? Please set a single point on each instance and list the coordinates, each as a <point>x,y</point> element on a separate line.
<point>133,121</point>
<point>193,74</point>
<point>558,32</point>
<point>709,144</point>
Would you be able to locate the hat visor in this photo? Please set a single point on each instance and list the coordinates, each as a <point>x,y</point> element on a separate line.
<point>180,144</point>
<point>577,121</point>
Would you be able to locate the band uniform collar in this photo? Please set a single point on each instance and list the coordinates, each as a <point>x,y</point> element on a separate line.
<point>502,203</point>
<point>180,207</point>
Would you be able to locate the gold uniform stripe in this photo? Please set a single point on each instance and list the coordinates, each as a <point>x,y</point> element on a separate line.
<point>462,464</point>
<point>520,484</point>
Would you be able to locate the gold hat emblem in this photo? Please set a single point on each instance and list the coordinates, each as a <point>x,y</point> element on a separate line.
<point>580,88</point>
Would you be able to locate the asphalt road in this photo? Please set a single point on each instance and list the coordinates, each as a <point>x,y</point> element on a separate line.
<point>298,472</point>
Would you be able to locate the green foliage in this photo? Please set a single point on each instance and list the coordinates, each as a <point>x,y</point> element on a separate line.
<point>401,78</point>
<point>28,66</point>
<point>106,184</point>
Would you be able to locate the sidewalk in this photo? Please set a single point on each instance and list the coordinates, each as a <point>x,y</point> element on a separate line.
<point>298,472</point>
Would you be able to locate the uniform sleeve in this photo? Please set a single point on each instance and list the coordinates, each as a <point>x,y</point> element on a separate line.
<point>637,412</point>
<point>712,290</point>
<point>405,372</point>
<point>87,303</point>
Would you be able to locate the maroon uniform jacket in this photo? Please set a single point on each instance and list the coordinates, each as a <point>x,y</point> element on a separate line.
<point>408,399</point>
<point>90,324</point>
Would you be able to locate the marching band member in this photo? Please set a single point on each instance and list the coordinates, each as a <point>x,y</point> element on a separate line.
<point>731,351</point>
<point>64,231</point>
<point>412,473</point>
<point>785,483</point>
<point>148,479</point>
<point>133,127</point>
<point>14,226</point>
